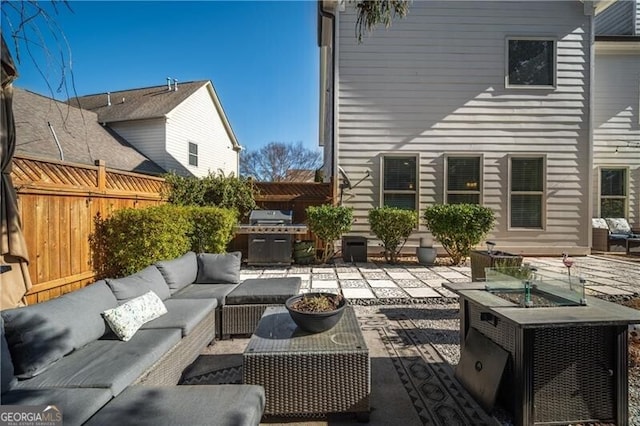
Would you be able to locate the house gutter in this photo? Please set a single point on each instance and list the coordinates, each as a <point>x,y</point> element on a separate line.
<point>333,161</point>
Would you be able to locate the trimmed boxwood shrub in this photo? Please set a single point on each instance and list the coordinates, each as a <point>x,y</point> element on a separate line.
<point>459,227</point>
<point>392,226</point>
<point>132,239</point>
<point>328,223</point>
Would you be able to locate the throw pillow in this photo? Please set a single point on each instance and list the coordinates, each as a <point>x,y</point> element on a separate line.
<point>180,272</point>
<point>127,318</point>
<point>223,268</point>
<point>599,223</point>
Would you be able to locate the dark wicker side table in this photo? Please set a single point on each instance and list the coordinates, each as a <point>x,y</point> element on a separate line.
<point>304,373</point>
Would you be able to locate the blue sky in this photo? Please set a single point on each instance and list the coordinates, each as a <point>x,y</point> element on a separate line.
<point>261,56</point>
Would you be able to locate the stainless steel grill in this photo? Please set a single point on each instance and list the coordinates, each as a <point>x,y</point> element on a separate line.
<point>271,236</point>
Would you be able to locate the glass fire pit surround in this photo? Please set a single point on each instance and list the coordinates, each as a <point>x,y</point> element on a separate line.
<point>521,286</point>
<point>566,363</point>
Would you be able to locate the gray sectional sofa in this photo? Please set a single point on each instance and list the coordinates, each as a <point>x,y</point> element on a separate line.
<point>63,353</point>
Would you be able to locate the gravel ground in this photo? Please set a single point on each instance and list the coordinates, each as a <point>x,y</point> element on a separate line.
<point>440,324</point>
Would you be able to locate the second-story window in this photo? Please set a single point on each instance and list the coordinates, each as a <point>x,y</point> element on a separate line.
<point>531,63</point>
<point>193,154</point>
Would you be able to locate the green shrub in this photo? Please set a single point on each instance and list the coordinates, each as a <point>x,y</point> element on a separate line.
<point>392,226</point>
<point>132,239</point>
<point>212,228</point>
<point>328,223</point>
<point>459,227</point>
<point>212,190</point>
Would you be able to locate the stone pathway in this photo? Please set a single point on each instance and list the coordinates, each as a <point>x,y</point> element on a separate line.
<point>380,283</point>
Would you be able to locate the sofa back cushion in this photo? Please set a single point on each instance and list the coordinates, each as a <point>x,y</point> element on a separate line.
<point>599,223</point>
<point>618,225</point>
<point>180,272</point>
<point>135,285</point>
<point>223,268</point>
<point>39,335</point>
<point>8,378</point>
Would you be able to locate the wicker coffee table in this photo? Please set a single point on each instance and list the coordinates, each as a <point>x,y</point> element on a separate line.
<point>305,373</point>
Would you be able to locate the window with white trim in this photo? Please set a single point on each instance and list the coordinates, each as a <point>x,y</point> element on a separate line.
<point>614,196</point>
<point>526,192</point>
<point>399,181</point>
<point>463,179</point>
<point>531,63</point>
<point>193,154</point>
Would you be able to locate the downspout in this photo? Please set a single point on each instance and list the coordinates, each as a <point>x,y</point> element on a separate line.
<point>333,140</point>
<point>590,156</point>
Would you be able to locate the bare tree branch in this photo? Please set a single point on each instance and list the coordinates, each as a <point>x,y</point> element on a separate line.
<point>276,161</point>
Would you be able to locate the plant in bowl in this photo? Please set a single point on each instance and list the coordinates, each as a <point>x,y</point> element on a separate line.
<point>316,312</point>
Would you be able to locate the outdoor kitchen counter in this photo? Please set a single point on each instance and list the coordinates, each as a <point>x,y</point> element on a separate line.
<point>597,311</point>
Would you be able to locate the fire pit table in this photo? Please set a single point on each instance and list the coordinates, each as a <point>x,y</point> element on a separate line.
<point>565,362</point>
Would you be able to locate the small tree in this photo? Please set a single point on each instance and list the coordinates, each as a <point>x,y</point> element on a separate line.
<point>392,226</point>
<point>328,223</point>
<point>459,227</point>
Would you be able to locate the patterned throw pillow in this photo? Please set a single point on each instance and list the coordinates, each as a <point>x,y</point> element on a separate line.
<point>599,223</point>
<point>127,318</point>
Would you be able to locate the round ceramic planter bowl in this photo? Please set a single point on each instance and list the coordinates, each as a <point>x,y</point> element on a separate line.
<point>315,322</point>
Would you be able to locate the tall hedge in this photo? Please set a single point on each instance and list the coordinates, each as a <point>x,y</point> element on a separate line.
<point>212,228</point>
<point>392,226</point>
<point>132,239</point>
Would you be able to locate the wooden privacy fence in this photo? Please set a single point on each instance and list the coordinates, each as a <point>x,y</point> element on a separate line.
<point>58,204</point>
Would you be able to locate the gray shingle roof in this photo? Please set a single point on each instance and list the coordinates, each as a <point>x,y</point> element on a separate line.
<point>138,104</point>
<point>82,138</point>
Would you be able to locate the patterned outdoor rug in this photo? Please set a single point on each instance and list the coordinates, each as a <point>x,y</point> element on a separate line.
<point>424,381</point>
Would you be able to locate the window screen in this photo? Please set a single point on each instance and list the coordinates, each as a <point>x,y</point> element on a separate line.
<point>613,193</point>
<point>399,186</point>
<point>527,186</point>
<point>463,180</point>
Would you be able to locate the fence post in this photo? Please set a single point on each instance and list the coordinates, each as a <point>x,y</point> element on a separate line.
<point>102,175</point>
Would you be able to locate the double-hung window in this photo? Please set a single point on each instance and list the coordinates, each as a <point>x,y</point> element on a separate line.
<point>400,181</point>
<point>193,154</point>
<point>613,192</point>
<point>526,192</point>
<point>531,62</point>
<point>463,179</point>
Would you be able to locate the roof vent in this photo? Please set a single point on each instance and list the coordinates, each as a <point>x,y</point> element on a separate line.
<point>122,100</point>
<point>169,84</point>
<point>175,84</point>
<point>108,98</point>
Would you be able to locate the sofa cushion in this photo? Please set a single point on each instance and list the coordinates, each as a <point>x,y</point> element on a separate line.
<point>8,378</point>
<point>599,223</point>
<point>618,225</point>
<point>185,405</point>
<point>214,268</point>
<point>127,318</point>
<point>264,291</point>
<point>107,363</point>
<point>180,272</point>
<point>38,335</point>
<point>206,291</point>
<point>184,314</point>
<point>137,284</point>
<point>77,405</point>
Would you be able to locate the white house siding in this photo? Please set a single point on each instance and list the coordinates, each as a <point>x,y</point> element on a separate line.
<point>617,19</point>
<point>637,17</point>
<point>197,120</point>
<point>434,84</point>
<point>616,120</point>
<point>147,136</point>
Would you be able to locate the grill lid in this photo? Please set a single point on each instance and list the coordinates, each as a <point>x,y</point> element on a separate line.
<point>271,217</point>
